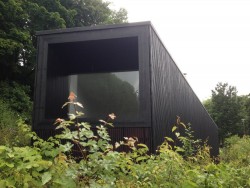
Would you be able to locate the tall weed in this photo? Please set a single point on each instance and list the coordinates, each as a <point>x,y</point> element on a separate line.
<point>236,151</point>
<point>79,157</point>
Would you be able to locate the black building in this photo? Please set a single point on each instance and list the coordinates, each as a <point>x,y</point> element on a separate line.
<point>121,68</point>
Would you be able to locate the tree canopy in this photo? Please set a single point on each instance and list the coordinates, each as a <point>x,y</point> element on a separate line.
<point>20,19</point>
<point>229,111</point>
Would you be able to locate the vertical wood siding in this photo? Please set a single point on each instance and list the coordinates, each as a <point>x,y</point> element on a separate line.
<point>172,96</point>
<point>164,92</point>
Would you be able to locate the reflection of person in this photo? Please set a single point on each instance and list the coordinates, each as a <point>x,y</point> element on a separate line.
<point>104,93</point>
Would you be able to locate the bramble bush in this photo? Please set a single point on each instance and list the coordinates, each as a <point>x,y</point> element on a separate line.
<point>236,151</point>
<point>7,117</point>
<point>79,157</point>
<point>11,131</point>
<point>17,98</point>
<point>15,105</point>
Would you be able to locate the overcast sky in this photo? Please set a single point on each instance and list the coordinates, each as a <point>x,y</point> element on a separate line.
<point>208,39</point>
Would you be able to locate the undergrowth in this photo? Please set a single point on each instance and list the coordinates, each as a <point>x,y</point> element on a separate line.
<point>79,157</point>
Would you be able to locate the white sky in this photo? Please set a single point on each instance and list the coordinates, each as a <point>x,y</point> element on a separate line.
<point>208,39</point>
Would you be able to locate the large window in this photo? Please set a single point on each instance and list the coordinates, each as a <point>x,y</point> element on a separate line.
<point>104,74</point>
<point>105,93</point>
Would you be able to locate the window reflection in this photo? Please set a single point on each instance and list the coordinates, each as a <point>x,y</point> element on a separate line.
<point>105,93</point>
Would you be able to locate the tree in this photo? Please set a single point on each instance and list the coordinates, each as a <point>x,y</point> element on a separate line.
<point>225,109</point>
<point>208,105</point>
<point>20,19</point>
<point>247,114</point>
<point>93,12</point>
<point>16,96</point>
<point>14,38</point>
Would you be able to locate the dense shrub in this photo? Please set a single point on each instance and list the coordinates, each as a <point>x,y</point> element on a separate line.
<point>15,104</point>
<point>236,151</point>
<point>7,117</point>
<point>51,163</point>
<point>13,131</point>
<point>16,96</point>
<point>7,123</point>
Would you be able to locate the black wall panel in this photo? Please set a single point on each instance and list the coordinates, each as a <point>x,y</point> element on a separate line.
<point>172,96</point>
<point>163,91</point>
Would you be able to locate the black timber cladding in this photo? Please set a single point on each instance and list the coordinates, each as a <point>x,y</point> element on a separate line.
<point>164,92</point>
<point>50,38</point>
<point>172,96</point>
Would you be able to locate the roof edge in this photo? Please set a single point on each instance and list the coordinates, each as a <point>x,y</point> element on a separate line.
<point>88,28</point>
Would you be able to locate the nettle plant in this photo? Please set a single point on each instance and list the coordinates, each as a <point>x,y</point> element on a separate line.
<point>95,160</point>
<point>80,135</point>
<point>82,156</point>
<point>77,156</point>
<point>184,143</point>
<point>189,144</point>
<point>85,139</point>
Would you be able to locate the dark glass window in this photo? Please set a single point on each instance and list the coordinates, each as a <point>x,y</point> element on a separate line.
<point>104,74</point>
<point>105,93</point>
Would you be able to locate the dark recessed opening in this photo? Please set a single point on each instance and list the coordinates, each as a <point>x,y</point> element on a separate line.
<point>104,74</point>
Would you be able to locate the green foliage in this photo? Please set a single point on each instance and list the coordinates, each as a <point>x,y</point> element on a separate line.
<point>8,123</point>
<point>13,131</point>
<point>230,112</point>
<point>14,106</point>
<point>7,116</point>
<point>189,144</point>
<point>16,135</point>
<point>244,101</point>
<point>81,157</point>
<point>226,109</point>
<point>115,92</point>
<point>236,151</point>
<point>208,105</point>
<point>93,12</point>
<point>20,19</point>
<point>22,167</point>
<point>14,39</point>
<point>119,16</point>
<point>16,96</point>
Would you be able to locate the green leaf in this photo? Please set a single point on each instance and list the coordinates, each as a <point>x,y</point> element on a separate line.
<point>141,158</point>
<point>110,124</point>
<point>178,149</point>
<point>189,184</point>
<point>211,167</point>
<point>72,116</point>
<point>142,145</point>
<point>169,139</point>
<point>85,125</point>
<point>177,134</point>
<point>2,148</point>
<point>183,125</point>
<point>46,178</point>
<point>174,128</point>
<point>11,165</point>
<point>11,155</point>
<point>79,113</point>
<point>183,138</point>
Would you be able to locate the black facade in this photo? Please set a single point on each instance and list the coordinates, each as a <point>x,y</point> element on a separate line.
<point>131,70</point>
